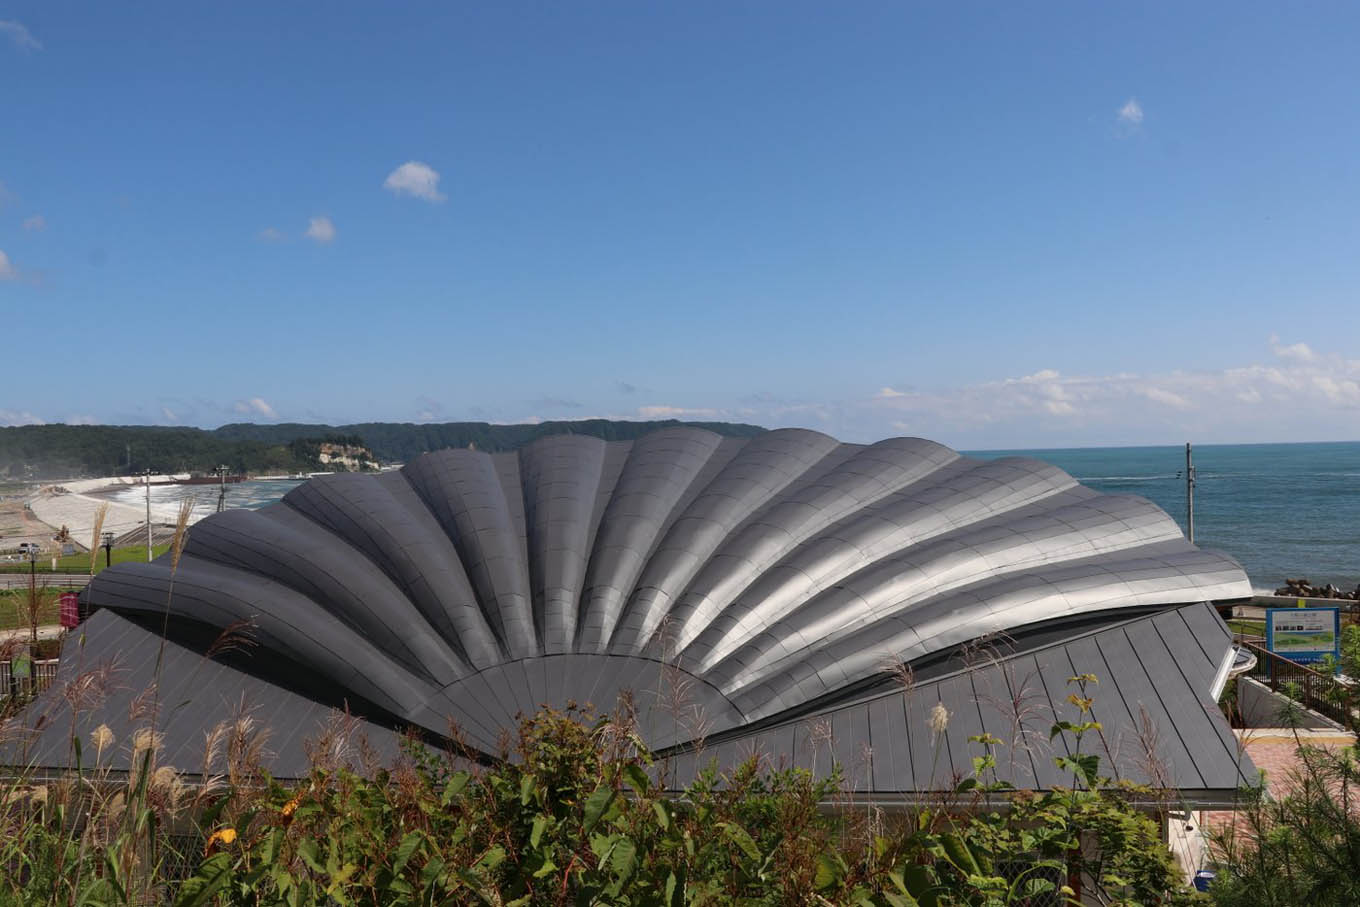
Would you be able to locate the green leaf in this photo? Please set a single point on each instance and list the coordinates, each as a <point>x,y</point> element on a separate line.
<point>959,854</point>
<point>306,848</point>
<point>595,806</point>
<point>536,833</point>
<point>98,893</point>
<point>270,847</point>
<point>742,838</point>
<point>663,814</point>
<point>624,861</point>
<point>830,870</point>
<point>675,888</point>
<point>429,876</point>
<point>920,884</point>
<point>457,782</point>
<point>211,876</point>
<point>526,790</point>
<point>405,850</point>
<point>492,858</point>
<point>637,777</point>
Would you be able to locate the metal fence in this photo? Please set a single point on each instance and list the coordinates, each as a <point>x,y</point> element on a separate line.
<point>1319,692</point>
<point>41,674</point>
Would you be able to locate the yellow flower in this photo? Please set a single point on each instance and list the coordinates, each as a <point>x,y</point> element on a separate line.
<point>291,806</point>
<point>221,836</point>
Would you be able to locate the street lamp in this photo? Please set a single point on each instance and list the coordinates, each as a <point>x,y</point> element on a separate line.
<point>32,593</point>
<point>108,548</point>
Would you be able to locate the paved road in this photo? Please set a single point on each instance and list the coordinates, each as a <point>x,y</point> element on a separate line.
<point>22,634</point>
<point>45,580</point>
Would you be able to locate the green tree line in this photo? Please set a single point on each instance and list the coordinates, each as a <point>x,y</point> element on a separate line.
<point>58,451</point>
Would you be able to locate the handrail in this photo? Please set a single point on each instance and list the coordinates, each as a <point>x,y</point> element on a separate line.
<point>1314,690</point>
<point>42,672</point>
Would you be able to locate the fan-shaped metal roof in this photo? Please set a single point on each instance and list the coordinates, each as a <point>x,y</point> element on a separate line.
<point>746,580</point>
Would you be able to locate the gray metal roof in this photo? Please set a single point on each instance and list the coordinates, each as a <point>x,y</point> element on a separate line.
<point>747,578</point>
<point>106,678</point>
<point>1160,724</point>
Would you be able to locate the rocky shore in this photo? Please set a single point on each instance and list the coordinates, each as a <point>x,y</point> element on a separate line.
<point>1301,588</point>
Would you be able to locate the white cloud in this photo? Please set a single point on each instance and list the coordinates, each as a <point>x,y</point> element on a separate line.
<point>1343,391</point>
<point>80,419</point>
<point>273,234</point>
<point>35,224</point>
<point>1039,377</point>
<point>19,35</point>
<point>1131,114</point>
<point>415,179</point>
<point>7,269</point>
<point>1299,352</point>
<point>887,393</point>
<point>10,418</point>
<point>1059,407</point>
<point>1303,395</point>
<point>321,229</point>
<point>677,412</point>
<point>255,406</point>
<point>1166,397</point>
<point>168,414</point>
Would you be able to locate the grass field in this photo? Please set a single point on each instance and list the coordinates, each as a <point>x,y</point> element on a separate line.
<point>14,608</point>
<point>80,563</point>
<point>1247,627</point>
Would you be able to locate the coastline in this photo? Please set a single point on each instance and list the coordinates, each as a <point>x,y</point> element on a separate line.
<point>75,504</point>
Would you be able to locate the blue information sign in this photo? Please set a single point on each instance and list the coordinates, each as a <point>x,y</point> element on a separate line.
<point>1304,634</point>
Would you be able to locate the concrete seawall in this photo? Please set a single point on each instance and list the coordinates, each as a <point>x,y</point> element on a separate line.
<point>69,504</point>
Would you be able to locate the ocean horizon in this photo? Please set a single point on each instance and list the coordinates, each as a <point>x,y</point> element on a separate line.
<point>1282,510</point>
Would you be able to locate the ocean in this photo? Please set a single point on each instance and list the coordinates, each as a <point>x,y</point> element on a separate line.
<point>1282,510</point>
<point>248,495</point>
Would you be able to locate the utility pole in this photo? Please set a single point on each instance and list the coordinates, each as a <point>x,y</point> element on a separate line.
<point>1189,493</point>
<point>222,492</point>
<point>147,474</point>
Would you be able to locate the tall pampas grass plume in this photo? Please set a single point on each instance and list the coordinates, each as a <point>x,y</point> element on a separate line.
<point>99,515</point>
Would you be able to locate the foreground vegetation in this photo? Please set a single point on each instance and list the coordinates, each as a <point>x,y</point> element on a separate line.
<point>574,814</point>
<point>1300,847</point>
<point>577,811</point>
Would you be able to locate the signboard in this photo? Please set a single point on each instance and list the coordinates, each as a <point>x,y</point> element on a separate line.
<point>70,609</point>
<point>1304,634</point>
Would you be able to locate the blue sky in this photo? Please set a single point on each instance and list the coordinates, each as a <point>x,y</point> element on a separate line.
<point>1062,224</point>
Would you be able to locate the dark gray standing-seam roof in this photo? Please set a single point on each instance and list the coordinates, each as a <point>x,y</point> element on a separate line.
<point>1160,725</point>
<point>762,578</point>
<point>105,677</point>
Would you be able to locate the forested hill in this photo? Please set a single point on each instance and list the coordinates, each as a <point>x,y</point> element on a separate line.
<point>400,441</point>
<point>63,451</point>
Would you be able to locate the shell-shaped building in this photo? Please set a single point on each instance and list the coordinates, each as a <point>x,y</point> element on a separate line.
<point>754,581</point>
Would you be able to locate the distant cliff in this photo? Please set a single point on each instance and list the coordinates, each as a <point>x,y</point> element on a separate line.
<point>61,451</point>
